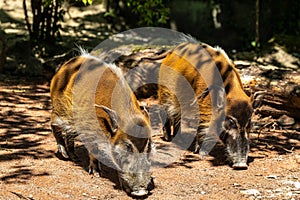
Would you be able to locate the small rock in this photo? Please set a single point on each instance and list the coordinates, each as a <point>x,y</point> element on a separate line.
<point>285,120</point>
<point>203,193</point>
<point>236,185</point>
<point>254,192</point>
<point>242,63</point>
<point>297,157</point>
<point>295,177</point>
<point>289,194</point>
<point>196,190</point>
<point>288,182</point>
<point>297,185</point>
<point>280,158</point>
<point>272,177</point>
<point>278,191</point>
<point>272,196</point>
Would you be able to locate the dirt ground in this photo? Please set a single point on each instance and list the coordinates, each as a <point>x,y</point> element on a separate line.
<point>30,169</point>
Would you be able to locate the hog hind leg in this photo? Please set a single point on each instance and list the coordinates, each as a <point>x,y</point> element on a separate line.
<point>94,165</point>
<point>70,144</point>
<point>176,126</point>
<point>166,124</point>
<point>200,137</point>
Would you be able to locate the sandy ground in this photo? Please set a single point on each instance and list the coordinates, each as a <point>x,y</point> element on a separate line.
<point>31,170</point>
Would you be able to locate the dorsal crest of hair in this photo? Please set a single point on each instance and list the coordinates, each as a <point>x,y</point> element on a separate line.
<point>116,70</point>
<point>219,49</point>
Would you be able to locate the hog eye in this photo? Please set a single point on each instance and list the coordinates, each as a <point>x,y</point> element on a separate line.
<point>230,123</point>
<point>128,147</point>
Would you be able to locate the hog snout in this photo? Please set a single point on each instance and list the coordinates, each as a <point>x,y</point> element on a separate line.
<point>135,178</point>
<point>139,190</point>
<point>139,193</point>
<point>237,146</point>
<point>238,156</point>
<point>240,166</point>
<point>137,184</point>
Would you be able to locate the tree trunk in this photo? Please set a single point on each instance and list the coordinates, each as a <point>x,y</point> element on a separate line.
<point>45,19</point>
<point>279,104</point>
<point>257,39</point>
<point>2,51</point>
<point>27,19</point>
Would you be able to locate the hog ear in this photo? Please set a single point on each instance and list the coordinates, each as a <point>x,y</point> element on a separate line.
<point>257,98</point>
<point>112,115</point>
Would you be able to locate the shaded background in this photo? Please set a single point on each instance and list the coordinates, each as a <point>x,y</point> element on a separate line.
<point>42,33</point>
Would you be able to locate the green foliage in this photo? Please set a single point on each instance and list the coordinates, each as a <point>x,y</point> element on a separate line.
<point>254,44</point>
<point>139,12</point>
<point>87,2</point>
<point>149,12</point>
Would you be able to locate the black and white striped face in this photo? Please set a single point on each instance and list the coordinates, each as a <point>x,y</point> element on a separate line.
<point>135,177</point>
<point>235,136</point>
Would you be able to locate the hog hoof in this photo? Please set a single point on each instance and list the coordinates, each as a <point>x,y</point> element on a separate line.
<point>62,151</point>
<point>93,169</point>
<point>197,148</point>
<point>203,154</point>
<point>167,138</point>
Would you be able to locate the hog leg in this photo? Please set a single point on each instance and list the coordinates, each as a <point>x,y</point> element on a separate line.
<point>94,165</point>
<point>70,145</point>
<point>57,132</point>
<point>167,130</point>
<point>166,123</point>
<point>176,128</point>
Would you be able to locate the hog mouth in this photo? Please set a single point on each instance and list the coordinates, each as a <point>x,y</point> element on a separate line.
<point>240,166</point>
<point>136,193</point>
<point>139,193</point>
<point>235,162</point>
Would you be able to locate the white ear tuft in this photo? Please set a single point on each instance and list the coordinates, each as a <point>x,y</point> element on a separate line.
<point>112,115</point>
